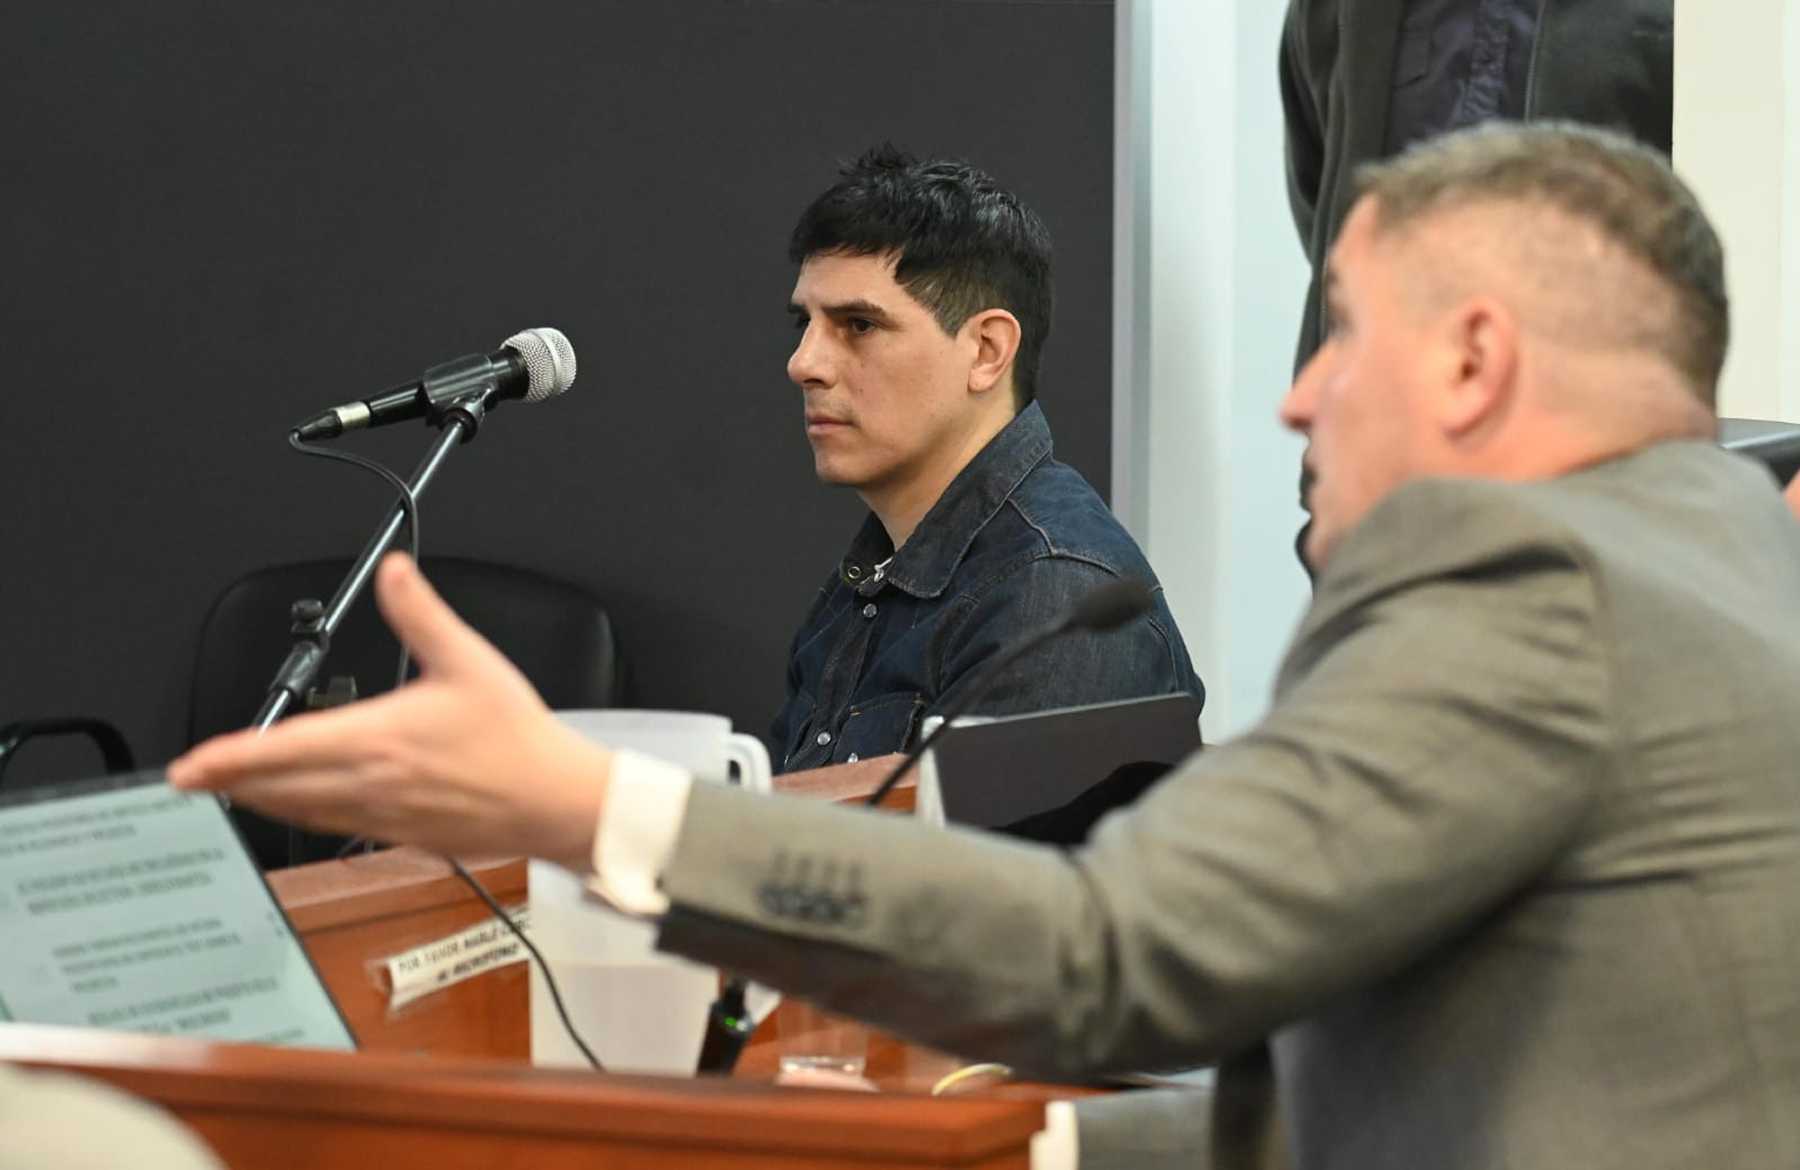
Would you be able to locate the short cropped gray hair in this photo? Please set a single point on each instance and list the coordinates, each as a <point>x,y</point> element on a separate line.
<point>1624,189</point>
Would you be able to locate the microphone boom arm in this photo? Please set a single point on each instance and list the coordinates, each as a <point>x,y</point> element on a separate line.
<point>976,688</point>
<point>460,420</point>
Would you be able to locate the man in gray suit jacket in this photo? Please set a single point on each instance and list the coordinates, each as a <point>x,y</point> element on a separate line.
<point>1508,875</point>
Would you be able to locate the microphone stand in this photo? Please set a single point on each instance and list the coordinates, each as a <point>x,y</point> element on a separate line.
<point>314,623</point>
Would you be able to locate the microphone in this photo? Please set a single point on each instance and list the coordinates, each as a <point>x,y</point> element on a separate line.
<point>533,365</point>
<point>1106,608</point>
<point>728,1024</point>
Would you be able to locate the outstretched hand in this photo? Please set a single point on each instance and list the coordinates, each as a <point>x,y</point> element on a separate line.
<point>464,759</point>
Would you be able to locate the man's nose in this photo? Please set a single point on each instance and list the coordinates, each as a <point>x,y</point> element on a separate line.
<point>1296,411</point>
<point>809,365</point>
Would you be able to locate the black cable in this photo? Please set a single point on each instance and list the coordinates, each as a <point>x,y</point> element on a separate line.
<point>556,998</point>
<point>409,504</point>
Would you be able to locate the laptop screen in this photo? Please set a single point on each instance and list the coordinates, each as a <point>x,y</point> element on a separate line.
<point>129,906</point>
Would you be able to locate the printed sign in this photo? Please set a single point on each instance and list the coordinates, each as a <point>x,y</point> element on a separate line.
<point>486,946</point>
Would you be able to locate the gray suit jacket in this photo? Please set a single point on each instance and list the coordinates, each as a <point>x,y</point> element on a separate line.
<point>1508,877</point>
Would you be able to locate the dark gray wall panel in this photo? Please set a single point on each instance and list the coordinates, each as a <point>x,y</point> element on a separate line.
<point>217,218</point>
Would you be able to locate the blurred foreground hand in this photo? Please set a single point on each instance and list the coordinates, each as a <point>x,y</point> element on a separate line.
<point>464,759</point>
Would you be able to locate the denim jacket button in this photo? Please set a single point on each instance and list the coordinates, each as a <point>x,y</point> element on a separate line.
<point>823,739</point>
<point>869,610</point>
<point>851,758</point>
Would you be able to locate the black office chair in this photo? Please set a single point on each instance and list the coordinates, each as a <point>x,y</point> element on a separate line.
<point>115,753</point>
<point>558,634</point>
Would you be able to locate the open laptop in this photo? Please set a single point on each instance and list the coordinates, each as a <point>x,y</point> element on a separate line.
<point>129,906</point>
<point>1049,776</point>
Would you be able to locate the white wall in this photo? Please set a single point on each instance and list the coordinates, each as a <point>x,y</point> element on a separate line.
<point>1789,312</point>
<point>1209,278</point>
<point>1737,112</point>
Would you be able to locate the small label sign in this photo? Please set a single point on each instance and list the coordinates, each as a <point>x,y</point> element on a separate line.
<point>448,961</point>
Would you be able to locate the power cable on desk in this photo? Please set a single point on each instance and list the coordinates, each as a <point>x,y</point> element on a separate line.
<point>409,504</point>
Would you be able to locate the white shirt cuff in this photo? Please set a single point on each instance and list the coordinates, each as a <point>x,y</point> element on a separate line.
<point>645,803</point>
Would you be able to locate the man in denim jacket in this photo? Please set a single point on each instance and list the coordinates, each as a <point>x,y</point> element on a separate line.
<point>922,302</point>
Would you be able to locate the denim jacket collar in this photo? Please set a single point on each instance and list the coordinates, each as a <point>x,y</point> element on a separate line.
<point>924,565</point>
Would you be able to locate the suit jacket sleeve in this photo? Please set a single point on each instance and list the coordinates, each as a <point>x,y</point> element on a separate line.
<point>1440,732</point>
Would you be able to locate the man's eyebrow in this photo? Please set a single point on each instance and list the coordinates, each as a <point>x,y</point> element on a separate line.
<point>841,309</point>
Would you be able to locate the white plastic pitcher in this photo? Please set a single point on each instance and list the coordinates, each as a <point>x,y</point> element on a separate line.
<point>639,1011</point>
<point>703,744</point>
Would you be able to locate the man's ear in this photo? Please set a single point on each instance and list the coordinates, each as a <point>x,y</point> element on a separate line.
<point>1482,367</point>
<point>995,335</point>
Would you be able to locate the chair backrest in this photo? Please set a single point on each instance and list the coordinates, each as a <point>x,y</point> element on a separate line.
<point>558,634</point>
<point>113,749</point>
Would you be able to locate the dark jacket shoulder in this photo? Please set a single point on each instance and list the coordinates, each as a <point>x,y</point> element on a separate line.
<point>1054,513</point>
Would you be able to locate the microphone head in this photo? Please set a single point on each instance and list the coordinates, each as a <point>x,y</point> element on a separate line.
<point>549,361</point>
<point>1111,606</point>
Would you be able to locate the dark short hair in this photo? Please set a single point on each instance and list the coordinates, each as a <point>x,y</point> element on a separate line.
<point>961,243</point>
<point>1624,189</point>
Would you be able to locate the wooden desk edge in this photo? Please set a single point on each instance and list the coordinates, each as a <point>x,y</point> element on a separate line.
<point>186,1074</point>
<point>388,882</point>
<point>852,783</point>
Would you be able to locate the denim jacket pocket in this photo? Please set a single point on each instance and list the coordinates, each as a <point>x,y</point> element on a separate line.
<point>878,727</point>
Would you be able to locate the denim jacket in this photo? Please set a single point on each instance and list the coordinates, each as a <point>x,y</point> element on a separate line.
<point>1015,540</point>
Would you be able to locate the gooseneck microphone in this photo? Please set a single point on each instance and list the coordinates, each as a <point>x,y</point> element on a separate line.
<point>1106,608</point>
<point>728,1023</point>
<point>531,366</point>
<point>454,397</point>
